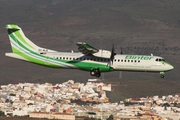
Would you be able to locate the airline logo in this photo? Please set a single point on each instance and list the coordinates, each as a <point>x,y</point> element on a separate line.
<point>134,57</point>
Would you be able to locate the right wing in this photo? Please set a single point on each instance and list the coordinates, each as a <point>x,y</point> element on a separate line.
<point>86,49</point>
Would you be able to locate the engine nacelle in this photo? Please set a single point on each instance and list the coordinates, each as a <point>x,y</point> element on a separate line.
<point>103,53</point>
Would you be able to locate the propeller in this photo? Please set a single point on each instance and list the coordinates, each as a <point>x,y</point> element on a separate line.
<point>112,55</point>
<point>120,73</point>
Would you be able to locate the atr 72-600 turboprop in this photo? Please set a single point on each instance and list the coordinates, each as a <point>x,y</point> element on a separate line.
<point>88,58</point>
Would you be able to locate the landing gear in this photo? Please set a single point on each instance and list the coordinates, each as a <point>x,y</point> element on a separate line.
<point>162,74</point>
<point>95,72</point>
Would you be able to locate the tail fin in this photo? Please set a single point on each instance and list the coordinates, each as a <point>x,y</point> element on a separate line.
<point>19,41</point>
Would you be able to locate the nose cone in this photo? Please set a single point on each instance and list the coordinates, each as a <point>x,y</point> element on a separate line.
<point>170,67</point>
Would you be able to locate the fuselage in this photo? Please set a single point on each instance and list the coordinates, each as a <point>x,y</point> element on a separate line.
<point>77,60</point>
<point>120,62</point>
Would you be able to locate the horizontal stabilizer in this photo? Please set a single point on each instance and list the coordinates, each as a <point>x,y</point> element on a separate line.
<point>86,49</point>
<point>13,55</point>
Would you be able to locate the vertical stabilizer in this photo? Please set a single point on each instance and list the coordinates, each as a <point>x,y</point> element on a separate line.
<point>19,42</point>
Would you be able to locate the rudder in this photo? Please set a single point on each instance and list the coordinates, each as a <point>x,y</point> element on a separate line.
<point>19,42</point>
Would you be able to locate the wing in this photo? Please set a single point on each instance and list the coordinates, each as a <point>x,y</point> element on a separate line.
<point>86,49</point>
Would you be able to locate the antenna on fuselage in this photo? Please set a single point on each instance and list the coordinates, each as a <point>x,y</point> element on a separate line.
<point>121,51</point>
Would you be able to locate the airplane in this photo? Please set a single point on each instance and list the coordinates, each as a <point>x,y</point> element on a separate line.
<point>88,58</point>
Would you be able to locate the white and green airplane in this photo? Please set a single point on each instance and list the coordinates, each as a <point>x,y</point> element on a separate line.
<point>88,58</point>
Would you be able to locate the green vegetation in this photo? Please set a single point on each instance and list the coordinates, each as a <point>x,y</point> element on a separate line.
<point>91,119</point>
<point>12,94</point>
<point>79,102</point>
<point>110,117</point>
<point>2,113</point>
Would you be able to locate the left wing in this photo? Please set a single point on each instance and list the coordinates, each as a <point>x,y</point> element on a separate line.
<point>86,49</point>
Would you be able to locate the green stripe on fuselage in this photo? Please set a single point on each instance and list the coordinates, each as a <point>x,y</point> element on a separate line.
<point>88,66</point>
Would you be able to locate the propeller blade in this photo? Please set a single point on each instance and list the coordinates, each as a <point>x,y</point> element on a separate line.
<point>112,55</point>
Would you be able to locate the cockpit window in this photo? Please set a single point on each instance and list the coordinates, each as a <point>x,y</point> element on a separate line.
<point>159,59</point>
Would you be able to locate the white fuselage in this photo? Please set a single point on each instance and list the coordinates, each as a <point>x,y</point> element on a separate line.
<point>120,62</point>
<point>140,63</point>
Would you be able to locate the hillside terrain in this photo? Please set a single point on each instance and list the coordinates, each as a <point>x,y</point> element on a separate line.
<point>139,27</point>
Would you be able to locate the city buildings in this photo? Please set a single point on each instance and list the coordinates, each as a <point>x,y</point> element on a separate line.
<point>70,100</point>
